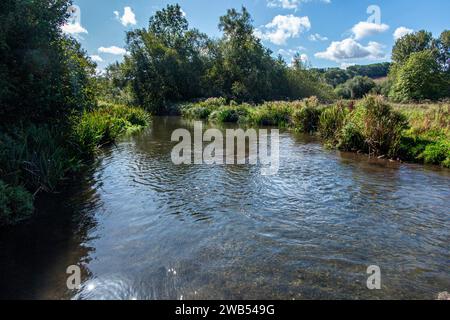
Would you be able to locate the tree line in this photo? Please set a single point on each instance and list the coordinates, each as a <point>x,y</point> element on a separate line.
<point>169,62</point>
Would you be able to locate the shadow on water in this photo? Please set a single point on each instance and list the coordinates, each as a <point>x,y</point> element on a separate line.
<point>35,255</point>
<point>144,228</point>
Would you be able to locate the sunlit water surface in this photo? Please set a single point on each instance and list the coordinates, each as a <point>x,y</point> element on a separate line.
<point>143,228</point>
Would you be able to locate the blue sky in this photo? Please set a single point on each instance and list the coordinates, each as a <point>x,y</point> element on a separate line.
<point>327,33</point>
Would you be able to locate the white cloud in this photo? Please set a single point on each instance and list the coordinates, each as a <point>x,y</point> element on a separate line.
<point>289,4</point>
<point>128,18</point>
<point>401,32</point>
<point>282,28</point>
<point>96,58</point>
<point>113,50</point>
<point>73,28</point>
<point>317,37</point>
<point>365,29</point>
<point>349,49</point>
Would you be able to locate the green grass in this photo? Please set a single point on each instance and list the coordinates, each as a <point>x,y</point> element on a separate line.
<point>16,204</point>
<point>103,125</point>
<point>410,132</point>
<point>38,158</point>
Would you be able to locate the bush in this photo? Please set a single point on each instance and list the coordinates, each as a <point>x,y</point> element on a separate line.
<point>231,114</point>
<point>306,119</point>
<point>419,78</point>
<point>382,127</point>
<point>355,88</point>
<point>35,156</point>
<point>16,204</point>
<point>203,109</point>
<point>331,122</point>
<point>351,138</point>
<point>102,126</point>
<point>272,114</point>
<point>437,153</point>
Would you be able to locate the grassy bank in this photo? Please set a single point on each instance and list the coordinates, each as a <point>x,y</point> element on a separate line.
<point>38,158</point>
<point>414,133</point>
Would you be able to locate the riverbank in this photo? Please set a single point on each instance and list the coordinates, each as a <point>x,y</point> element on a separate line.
<point>40,158</point>
<point>406,132</point>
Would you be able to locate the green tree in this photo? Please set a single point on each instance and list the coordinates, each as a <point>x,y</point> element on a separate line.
<point>355,88</point>
<point>43,74</point>
<point>248,70</point>
<point>166,62</point>
<point>411,43</point>
<point>420,78</point>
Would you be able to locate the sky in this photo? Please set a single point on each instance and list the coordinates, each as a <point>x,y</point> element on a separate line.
<point>326,33</point>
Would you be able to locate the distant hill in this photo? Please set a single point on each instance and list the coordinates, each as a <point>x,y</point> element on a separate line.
<point>337,76</point>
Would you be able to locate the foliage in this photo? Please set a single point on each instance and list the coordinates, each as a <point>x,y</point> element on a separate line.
<point>103,125</point>
<point>355,88</point>
<point>16,204</point>
<point>382,127</point>
<point>411,43</point>
<point>43,74</point>
<point>306,118</point>
<point>331,122</point>
<point>203,109</point>
<point>420,78</point>
<point>272,114</point>
<point>337,76</point>
<point>35,156</point>
<point>421,67</point>
<point>165,62</point>
<point>231,114</point>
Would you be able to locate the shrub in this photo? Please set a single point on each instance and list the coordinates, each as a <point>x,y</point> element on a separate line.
<point>355,88</point>
<point>272,114</point>
<point>231,114</point>
<point>104,125</point>
<point>351,138</point>
<point>306,119</point>
<point>35,156</point>
<point>331,122</point>
<point>203,109</point>
<point>16,204</point>
<point>437,153</point>
<point>382,127</point>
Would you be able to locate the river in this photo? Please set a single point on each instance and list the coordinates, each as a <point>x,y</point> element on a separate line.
<point>143,228</point>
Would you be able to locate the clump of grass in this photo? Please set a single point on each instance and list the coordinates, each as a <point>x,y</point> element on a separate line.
<point>382,127</point>
<point>103,125</point>
<point>36,157</point>
<point>16,204</point>
<point>331,122</point>
<point>351,138</point>
<point>305,118</point>
<point>231,114</point>
<point>272,114</point>
<point>203,109</point>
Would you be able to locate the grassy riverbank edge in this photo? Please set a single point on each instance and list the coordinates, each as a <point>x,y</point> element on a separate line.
<point>39,158</point>
<point>417,133</point>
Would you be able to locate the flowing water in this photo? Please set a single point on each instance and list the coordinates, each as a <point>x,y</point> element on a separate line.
<point>143,228</point>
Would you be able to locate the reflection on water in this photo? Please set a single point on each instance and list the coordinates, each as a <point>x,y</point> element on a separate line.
<point>143,228</point>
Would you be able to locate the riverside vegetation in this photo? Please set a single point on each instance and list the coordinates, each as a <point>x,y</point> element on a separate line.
<point>371,125</point>
<point>52,118</point>
<point>51,122</point>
